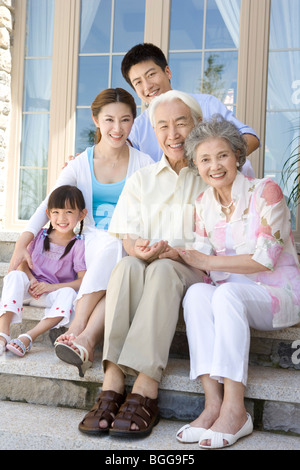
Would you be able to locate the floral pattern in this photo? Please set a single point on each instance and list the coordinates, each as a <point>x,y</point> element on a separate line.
<point>260,226</point>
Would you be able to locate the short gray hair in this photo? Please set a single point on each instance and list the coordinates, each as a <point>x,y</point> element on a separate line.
<point>216,127</point>
<point>171,95</point>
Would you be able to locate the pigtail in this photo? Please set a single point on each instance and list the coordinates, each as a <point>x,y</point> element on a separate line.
<point>45,236</point>
<point>71,243</point>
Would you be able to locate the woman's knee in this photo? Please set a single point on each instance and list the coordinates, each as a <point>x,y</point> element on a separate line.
<point>197,300</point>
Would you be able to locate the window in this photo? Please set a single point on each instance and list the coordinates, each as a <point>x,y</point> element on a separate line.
<point>203,49</point>
<point>108,29</point>
<point>36,105</point>
<point>246,52</point>
<point>283,93</point>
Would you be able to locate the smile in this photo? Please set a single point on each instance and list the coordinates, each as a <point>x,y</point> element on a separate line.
<point>176,146</point>
<point>218,175</point>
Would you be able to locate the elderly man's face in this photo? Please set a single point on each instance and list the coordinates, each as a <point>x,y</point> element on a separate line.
<point>173,123</point>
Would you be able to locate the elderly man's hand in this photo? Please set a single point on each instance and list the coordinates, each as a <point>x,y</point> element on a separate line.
<point>147,252</point>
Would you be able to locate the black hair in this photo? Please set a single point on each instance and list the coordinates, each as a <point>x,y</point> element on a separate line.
<point>58,199</point>
<point>142,53</point>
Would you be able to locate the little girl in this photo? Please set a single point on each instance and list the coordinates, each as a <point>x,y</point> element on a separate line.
<point>58,269</point>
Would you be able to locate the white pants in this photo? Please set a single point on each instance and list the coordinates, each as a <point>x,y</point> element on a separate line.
<point>15,293</point>
<point>102,253</point>
<point>217,325</point>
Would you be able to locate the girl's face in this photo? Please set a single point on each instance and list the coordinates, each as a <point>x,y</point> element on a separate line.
<point>115,121</point>
<point>65,220</point>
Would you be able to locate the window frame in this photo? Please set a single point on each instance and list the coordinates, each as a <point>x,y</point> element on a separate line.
<point>251,83</point>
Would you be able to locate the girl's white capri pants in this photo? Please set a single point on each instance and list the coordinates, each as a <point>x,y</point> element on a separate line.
<point>15,293</point>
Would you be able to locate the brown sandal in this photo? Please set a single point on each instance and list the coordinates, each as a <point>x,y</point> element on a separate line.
<point>106,407</point>
<point>137,409</point>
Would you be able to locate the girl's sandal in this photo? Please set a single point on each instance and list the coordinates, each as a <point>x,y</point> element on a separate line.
<point>10,346</point>
<point>139,410</point>
<point>106,407</point>
<point>2,345</point>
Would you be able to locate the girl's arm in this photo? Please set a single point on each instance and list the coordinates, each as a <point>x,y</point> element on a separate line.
<point>39,288</point>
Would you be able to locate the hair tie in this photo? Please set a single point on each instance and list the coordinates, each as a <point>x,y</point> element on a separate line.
<point>44,233</point>
<point>79,237</point>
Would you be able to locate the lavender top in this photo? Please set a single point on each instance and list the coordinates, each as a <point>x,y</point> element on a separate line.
<point>47,265</point>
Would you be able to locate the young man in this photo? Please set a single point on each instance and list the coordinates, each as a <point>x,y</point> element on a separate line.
<point>146,70</point>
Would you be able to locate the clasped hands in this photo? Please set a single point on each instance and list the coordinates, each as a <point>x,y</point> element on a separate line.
<point>162,249</point>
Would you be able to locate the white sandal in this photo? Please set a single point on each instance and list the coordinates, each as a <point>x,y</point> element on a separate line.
<point>69,355</point>
<point>190,434</point>
<point>217,438</point>
<point>10,346</point>
<point>3,346</point>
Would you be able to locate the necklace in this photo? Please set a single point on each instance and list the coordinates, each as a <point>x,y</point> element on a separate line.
<point>227,208</point>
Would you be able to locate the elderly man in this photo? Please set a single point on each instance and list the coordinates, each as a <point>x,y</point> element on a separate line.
<point>154,214</point>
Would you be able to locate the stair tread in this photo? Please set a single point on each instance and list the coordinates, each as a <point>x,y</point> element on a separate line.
<point>263,382</point>
<point>39,427</point>
<point>289,334</point>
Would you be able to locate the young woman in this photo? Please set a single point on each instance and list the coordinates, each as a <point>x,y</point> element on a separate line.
<point>100,172</point>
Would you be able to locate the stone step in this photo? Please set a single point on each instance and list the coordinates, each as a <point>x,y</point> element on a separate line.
<point>268,348</point>
<point>272,395</point>
<point>35,427</point>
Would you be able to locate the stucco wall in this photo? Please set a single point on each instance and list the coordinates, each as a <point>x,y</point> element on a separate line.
<point>6,30</point>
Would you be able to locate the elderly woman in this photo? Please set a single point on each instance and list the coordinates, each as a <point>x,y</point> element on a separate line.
<point>245,245</point>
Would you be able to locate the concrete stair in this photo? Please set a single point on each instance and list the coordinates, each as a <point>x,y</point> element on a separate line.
<point>42,399</point>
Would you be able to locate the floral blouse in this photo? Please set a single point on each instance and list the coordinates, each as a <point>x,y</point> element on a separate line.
<point>261,226</point>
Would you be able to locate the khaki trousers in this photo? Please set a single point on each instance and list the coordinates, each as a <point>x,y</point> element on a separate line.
<point>142,307</point>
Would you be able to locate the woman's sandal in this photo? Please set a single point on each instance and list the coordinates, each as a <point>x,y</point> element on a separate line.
<point>138,410</point>
<point>67,354</point>
<point>189,434</point>
<point>106,407</point>
<point>2,345</point>
<point>217,438</point>
<point>10,345</point>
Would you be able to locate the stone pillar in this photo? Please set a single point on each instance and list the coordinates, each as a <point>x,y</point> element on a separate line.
<point>6,31</point>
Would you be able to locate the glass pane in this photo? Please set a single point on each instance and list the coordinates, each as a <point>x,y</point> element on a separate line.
<point>220,75</point>
<point>85,130</point>
<point>37,91</point>
<point>33,188</point>
<point>186,71</point>
<point>285,31</point>
<point>92,78</point>
<point>39,28</point>
<point>222,24</point>
<point>95,24</point>
<point>117,80</point>
<point>35,139</point>
<point>283,98</point>
<point>36,105</point>
<point>129,23</point>
<point>186,24</point>
<point>284,93</point>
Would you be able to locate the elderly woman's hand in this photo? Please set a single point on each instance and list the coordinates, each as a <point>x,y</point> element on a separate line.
<point>194,258</point>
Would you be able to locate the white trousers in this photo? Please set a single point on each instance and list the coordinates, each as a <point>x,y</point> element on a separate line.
<point>217,325</point>
<point>15,293</point>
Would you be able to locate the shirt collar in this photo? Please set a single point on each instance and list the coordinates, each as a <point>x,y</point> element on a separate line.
<point>164,163</point>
